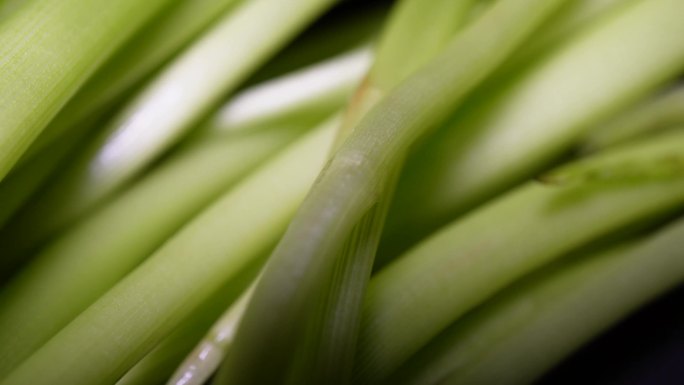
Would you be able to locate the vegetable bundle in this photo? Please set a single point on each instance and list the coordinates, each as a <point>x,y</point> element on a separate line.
<point>305,192</point>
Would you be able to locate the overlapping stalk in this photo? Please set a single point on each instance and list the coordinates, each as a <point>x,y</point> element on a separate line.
<point>532,326</point>
<point>260,107</point>
<point>87,261</point>
<point>419,295</point>
<point>659,113</point>
<point>331,338</point>
<point>507,137</point>
<point>355,178</point>
<point>165,110</point>
<point>480,99</point>
<point>160,363</point>
<point>226,237</point>
<point>306,96</point>
<point>143,54</point>
<point>153,46</point>
<point>44,60</point>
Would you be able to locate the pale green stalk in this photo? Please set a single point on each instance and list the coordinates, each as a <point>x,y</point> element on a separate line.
<point>306,96</point>
<point>518,131</point>
<point>529,328</point>
<point>126,323</point>
<point>152,46</point>
<point>415,34</point>
<point>413,299</point>
<point>355,178</point>
<point>48,49</point>
<point>81,265</point>
<point>657,113</point>
<point>577,16</point>
<point>556,32</point>
<point>166,109</point>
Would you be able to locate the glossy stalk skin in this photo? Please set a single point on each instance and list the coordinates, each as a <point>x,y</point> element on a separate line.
<point>353,180</point>
<point>47,51</point>
<point>526,330</point>
<point>172,103</point>
<point>144,307</point>
<point>508,137</point>
<point>416,297</point>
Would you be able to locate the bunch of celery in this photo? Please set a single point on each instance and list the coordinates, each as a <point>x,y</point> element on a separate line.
<point>305,192</point>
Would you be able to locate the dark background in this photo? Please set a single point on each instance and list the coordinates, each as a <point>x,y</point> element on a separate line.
<point>645,349</point>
